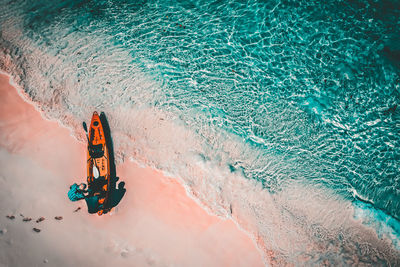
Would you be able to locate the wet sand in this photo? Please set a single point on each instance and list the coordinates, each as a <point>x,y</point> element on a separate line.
<point>156,223</point>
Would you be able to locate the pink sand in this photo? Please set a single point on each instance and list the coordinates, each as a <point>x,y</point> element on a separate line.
<point>156,223</point>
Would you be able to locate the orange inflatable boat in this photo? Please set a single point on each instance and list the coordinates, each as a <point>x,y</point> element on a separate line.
<point>98,163</point>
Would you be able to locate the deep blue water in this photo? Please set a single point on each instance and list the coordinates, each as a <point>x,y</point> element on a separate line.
<point>312,85</point>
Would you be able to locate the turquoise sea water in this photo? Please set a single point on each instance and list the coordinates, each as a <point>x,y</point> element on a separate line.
<point>310,89</point>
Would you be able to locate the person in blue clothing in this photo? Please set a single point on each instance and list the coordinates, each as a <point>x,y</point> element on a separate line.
<point>78,192</point>
<point>94,193</point>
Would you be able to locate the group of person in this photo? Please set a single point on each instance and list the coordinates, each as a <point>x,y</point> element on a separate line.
<point>79,192</point>
<point>94,194</point>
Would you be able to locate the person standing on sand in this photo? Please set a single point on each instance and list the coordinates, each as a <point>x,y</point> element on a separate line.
<point>92,195</point>
<point>77,192</point>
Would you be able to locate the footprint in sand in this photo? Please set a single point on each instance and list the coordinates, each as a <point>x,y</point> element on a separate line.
<point>124,253</point>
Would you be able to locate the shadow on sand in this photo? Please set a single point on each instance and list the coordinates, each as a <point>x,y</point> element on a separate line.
<point>116,194</point>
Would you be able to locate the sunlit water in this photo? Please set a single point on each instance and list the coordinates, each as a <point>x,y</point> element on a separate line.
<point>267,111</point>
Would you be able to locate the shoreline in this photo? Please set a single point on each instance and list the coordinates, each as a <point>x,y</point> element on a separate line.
<point>149,188</point>
<point>170,205</point>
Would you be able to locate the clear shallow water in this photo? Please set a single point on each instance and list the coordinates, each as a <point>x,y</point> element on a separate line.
<point>299,96</point>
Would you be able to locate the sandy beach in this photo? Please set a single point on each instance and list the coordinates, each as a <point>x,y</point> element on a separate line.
<point>155,224</point>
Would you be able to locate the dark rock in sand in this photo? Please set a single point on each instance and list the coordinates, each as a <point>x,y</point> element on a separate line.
<point>27,219</point>
<point>58,218</point>
<point>11,217</point>
<point>40,219</point>
<point>37,230</point>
